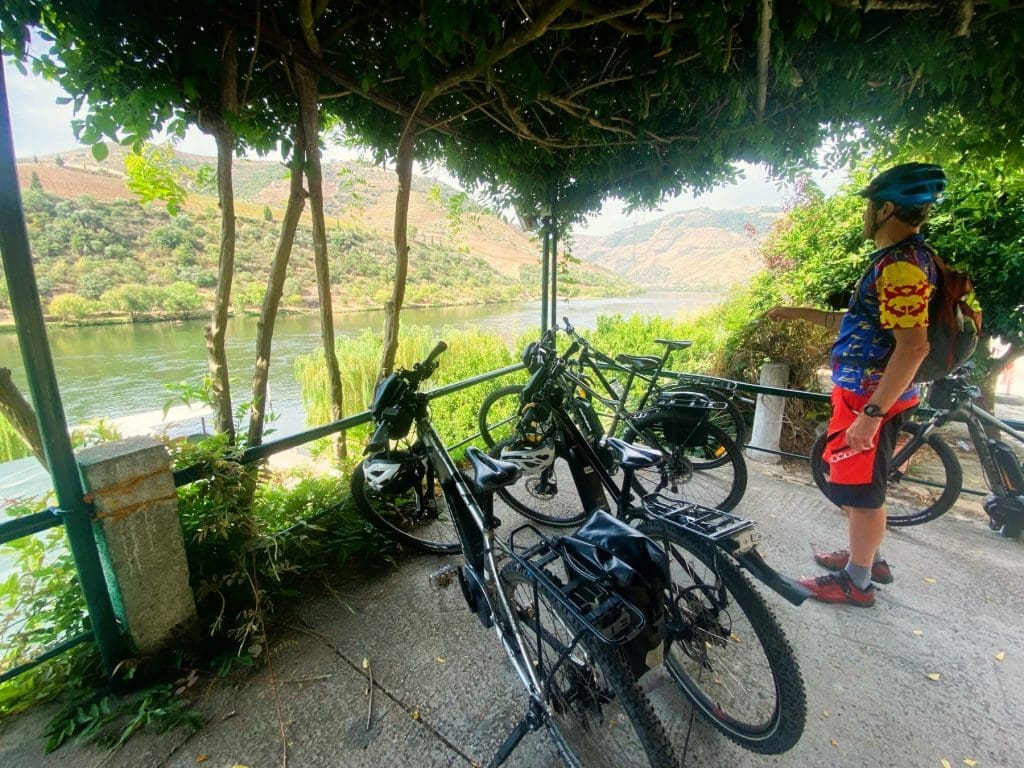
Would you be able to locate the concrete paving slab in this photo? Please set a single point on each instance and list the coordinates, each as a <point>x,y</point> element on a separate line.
<point>870,702</point>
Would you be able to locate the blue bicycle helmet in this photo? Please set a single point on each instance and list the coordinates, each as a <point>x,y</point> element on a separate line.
<point>909,184</point>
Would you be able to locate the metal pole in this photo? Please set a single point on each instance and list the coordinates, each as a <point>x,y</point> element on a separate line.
<point>545,228</point>
<point>554,272</point>
<point>42,382</point>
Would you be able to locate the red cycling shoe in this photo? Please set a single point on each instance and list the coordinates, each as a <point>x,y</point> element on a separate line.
<point>836,561</point>
<point>837,588</point>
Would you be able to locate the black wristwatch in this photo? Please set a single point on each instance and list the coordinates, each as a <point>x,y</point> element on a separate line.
<point>874,411</point>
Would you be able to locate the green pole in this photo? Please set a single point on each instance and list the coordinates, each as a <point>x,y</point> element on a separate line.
<point>546,229</point>
<point>42,382</point>
<point>554,272</point>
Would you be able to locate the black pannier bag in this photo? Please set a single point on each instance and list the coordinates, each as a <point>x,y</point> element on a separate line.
<point>635,567</point>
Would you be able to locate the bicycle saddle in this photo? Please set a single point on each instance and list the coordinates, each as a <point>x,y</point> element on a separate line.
<point>631,456</point>
<point>490,474</point>
<point>639,363</point>
<point>674,345</point>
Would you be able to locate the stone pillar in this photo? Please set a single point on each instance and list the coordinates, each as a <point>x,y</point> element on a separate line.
<point>139,536</point>
<point>768,415</point>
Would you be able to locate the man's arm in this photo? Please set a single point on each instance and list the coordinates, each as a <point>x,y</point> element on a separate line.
<point>911,348</point>
<point>826,319</point>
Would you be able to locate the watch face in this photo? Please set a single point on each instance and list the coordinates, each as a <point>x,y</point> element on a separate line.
<point>873,410</point>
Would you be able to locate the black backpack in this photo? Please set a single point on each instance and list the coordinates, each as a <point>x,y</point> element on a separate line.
<point>954,321</point>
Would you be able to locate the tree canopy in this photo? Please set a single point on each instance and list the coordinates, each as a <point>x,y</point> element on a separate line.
<point>560,101</point>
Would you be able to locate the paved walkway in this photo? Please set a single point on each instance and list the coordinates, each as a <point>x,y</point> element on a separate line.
<point>444,696</point>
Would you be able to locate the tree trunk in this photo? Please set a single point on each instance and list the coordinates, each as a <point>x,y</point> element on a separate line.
<point>393,309</point>
<point>19,413</point>
<point>307,85</point>
<point>275,288</point>
<point>215,332</point>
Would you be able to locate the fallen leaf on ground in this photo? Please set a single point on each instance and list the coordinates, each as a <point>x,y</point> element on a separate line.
<point>934,676</point>
<point>929,580</point>
<point>835,743</point>
<point>439,660</point>
<point>416,715</point>
<point>1001,655</point>
<point>945,763</point>
<point>202,758</point>
<point>918,632</point>
<point>366,663</point>
<point>824,713</point>
<point>239,765</point>
<point>970,763</point>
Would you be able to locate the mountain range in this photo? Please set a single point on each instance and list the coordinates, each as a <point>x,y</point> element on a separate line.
<point>694,250</point>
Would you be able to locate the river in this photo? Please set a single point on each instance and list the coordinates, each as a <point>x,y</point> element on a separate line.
<point>119,370</point>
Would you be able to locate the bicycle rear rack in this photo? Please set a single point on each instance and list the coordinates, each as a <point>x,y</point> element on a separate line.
<point>588,599</point>
<point>705,523</point>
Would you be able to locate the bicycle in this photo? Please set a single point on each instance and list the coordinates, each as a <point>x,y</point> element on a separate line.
<point>499,409</point>
<point>725,649</point>
<point>930,467</point>
<point>701,463</point>
<point>563,631</point>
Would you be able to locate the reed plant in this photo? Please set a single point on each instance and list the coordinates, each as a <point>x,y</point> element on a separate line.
<point>11,445</point>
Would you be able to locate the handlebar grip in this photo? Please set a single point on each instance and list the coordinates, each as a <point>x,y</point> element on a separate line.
<point>438,349</point>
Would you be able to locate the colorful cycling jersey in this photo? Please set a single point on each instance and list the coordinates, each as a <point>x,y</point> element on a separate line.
<point>894,293</point>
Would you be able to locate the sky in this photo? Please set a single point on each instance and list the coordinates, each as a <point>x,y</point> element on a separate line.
<point>42,127</point>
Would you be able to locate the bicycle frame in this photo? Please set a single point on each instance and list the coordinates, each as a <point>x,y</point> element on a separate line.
<point>974,417</point>
<point>475,526</point>
<point>730,533</point>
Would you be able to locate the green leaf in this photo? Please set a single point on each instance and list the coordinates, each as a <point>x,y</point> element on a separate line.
<point>100,152</point>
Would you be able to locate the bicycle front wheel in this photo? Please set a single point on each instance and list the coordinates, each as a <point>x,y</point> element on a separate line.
<point>549,496</point>
<point>701,465</point>
<point>499,414</point>
<point>597,715</point>
<point>725,649</point>
<point>418,517</point>
<point>922,487</point>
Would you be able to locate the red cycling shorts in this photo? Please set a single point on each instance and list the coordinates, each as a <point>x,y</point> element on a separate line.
<point>858,478</point>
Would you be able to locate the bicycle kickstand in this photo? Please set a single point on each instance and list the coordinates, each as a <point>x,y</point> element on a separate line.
<point>530,722</point>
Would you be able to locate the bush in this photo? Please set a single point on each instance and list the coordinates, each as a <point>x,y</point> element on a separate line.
<point>71,306</point>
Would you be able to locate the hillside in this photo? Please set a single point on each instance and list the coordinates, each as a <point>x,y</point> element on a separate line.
<point>693,250</point>
<point>89,236</point>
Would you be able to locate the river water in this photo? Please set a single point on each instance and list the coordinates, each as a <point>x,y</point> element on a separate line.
<point>115,371</point>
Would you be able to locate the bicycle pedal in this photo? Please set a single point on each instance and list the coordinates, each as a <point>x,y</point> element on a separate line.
<point>443,577</point>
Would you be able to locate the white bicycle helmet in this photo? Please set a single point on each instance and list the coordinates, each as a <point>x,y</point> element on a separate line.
<point>391,472</point>
<point>532,459</point>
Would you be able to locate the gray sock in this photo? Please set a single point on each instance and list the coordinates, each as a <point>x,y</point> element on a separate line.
<point>859,575</point>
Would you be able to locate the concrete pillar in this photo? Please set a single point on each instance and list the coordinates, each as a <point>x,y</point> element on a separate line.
<point>768,415</point>
<point>140,540</point>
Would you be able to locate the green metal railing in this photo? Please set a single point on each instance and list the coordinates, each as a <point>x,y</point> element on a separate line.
<point>73,512</point>
<point>269,448</point>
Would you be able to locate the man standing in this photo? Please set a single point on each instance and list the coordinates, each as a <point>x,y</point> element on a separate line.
<point>882,339</point>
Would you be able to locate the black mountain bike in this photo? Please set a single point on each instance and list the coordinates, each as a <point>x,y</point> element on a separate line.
<point>701,464</point>
<point>563,631</point>
<point>610,383</point>
<point>925,477</point>
<point>724,647</point>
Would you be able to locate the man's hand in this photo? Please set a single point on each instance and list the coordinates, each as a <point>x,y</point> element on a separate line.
<point>860,435</point>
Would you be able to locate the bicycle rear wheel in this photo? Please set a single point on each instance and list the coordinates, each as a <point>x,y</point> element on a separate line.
<point>597,714</point>
<point>498,416</point>
<point>549,496</point>
<point>701,465</point>
<point>725,649</point>
<point>418,517</point>
<point>922,488</point>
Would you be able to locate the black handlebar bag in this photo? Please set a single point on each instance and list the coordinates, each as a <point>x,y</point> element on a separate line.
<point>632,564</point>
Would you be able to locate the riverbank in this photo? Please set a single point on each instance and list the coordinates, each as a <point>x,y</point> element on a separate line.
<point>7,324</point>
